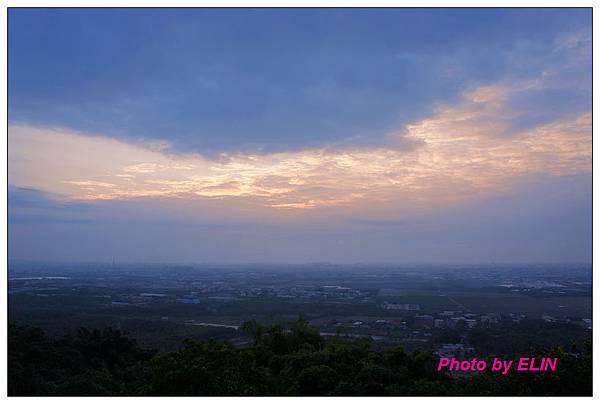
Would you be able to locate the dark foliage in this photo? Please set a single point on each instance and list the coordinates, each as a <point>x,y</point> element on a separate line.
<point>294,360</point>
<point>94,362</point>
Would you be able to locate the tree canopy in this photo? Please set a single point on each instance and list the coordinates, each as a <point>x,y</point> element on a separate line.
<point>279,360</point>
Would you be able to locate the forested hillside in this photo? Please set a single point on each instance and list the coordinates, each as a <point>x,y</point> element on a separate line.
<point>292,360</point>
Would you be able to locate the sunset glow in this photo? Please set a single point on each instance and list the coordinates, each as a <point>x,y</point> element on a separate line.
<point>461,150</point>
<point>215,135</point>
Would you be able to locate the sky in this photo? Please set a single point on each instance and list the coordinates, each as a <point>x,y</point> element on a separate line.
<point>397,136</point>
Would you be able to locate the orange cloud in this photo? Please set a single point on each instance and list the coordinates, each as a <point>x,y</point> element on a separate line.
<point>461,150</point>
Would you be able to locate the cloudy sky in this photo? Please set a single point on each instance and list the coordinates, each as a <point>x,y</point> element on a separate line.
<point>345,136</point>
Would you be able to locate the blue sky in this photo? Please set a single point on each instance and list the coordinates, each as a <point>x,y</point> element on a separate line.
<point>222,129</point>
<point>266,79</point>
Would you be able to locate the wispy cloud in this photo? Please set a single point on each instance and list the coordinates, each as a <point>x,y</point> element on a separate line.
<point>460,151</point>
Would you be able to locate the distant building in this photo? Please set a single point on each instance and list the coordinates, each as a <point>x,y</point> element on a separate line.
<point>447,313</point>
<point>471,322</point>
<point>454,350</point>
<point>404,306</point>
<point>516,317</point>
<point>489,318</point>
<point>439,323</point>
